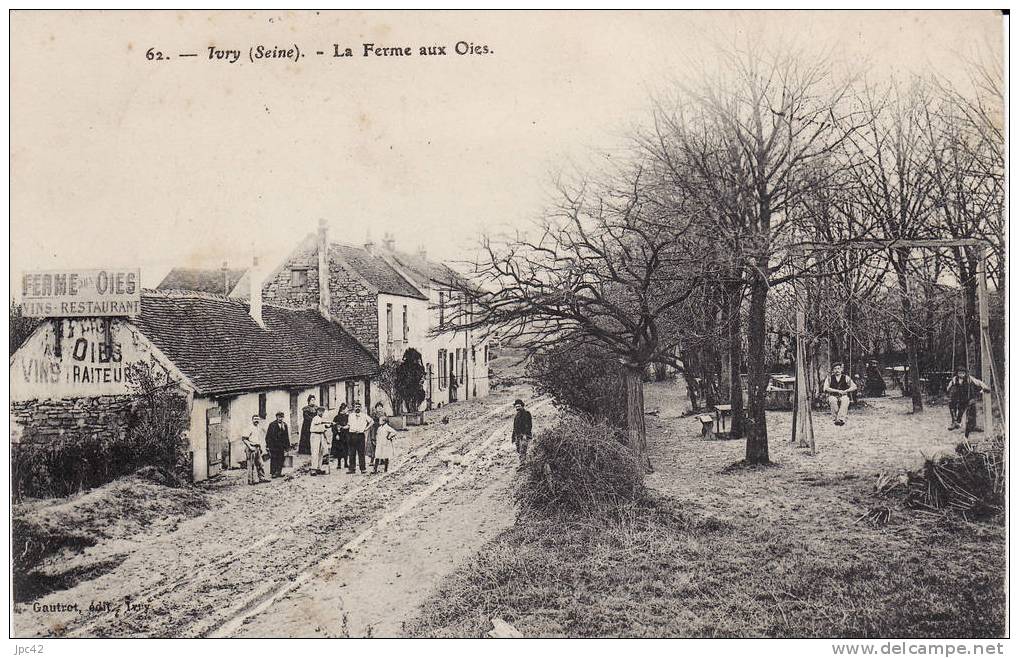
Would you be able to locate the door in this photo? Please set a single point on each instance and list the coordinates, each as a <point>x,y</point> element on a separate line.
<point>215,434</point>
<point>295,420</point>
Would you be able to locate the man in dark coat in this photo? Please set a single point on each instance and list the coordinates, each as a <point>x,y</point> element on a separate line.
<point>341,435</point>
<point>277,441</point>
<point>309,411</point>
<point>521,430</point>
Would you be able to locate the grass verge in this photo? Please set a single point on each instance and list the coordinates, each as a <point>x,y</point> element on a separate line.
<point>647,571</point>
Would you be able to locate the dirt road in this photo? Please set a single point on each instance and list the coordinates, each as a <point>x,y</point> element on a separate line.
<point>309,556</point>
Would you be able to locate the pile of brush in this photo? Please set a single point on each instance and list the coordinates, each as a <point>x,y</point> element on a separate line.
<point>970,482</point>
<point>581,465</point>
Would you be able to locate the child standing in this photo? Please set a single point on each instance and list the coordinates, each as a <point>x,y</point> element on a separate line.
<point>385,446</point>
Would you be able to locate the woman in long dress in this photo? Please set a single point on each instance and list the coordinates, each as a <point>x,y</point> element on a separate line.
<point>310,411</point>
<point>378,412</point>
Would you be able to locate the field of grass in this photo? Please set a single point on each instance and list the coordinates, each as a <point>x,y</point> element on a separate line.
<point>777,551</point>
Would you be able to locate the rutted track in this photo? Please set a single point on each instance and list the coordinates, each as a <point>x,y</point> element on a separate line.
<point>262,600</point>
<point>212,572</point>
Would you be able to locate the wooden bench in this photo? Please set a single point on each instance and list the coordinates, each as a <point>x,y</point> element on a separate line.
<point>707,426</point>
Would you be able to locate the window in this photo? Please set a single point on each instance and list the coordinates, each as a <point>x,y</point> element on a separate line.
<point>441,360</point>
<point>323,396</point>
<point>442,310</point>
<point>389,323</point>
<point>486,353</point>
<point>298,278</point>
<point>261,405</point>
<point>406,325</point>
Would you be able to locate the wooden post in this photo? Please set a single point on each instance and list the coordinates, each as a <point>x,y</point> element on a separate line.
<point>804,424</point>
<point>985,341</point>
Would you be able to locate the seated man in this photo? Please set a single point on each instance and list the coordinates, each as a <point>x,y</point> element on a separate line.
<point>964,391</point>
<point>838,387</point>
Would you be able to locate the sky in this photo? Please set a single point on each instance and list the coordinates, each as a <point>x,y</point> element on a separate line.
<point>118,160</point>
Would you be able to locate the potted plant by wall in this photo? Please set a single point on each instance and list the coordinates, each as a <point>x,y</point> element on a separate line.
<point>410,389</point>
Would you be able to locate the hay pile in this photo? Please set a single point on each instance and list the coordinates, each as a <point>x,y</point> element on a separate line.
<point>581,466</point>
<point>970,482</point>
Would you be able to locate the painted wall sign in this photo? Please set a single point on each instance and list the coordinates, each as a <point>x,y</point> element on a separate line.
<point>74,293</point>
<point>85,365</point>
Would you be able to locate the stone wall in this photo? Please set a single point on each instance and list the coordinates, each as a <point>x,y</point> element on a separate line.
<point>353,302</point>
<point>279,290</point>
<point>103,417</point>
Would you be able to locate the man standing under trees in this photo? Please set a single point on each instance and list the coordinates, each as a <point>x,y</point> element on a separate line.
<point>963,392</point>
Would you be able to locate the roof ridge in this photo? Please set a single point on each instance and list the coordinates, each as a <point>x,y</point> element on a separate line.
<point>213,296</point>
<point>182,293</point>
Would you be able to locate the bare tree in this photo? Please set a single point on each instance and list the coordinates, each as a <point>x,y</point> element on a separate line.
<point>747,138</point>
<point>607,267</point>
<point>892,169</point>
<point>963,131</point>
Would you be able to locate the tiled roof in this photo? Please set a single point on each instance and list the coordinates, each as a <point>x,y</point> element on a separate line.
<point>201,280</point>
<point>376,271</point>
<point>220,348</point>
<point>425,272</point>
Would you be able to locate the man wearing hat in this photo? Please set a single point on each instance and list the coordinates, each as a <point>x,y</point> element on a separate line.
<point>521,430</point>
<point>277,440</point>
<point>254,445</point>
<point>319,427</point>
<point>963,393</point>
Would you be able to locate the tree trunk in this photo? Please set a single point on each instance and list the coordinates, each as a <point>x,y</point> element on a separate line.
<point>909,333</point>
<point>734,357</point>
<point>692,390</point>
<point>757,430</point>
<point>635,428</point>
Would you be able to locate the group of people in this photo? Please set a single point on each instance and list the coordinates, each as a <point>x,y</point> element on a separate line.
<point>355,439</point>
<point>963,393</point>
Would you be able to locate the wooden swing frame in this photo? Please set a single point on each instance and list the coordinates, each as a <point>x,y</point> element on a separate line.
<point>803,422</point>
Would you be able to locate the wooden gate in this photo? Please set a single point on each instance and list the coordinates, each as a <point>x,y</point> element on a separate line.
<point>215,437</point>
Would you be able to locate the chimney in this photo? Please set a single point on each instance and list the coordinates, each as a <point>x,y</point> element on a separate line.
<point>422,252</point>
<point>369,244</point>
<point>225,271</point>
<point>324,293</point>
<point>255,294</point>
<point>389,242</point>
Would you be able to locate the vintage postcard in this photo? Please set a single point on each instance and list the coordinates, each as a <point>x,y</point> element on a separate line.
<point>482,324</point>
